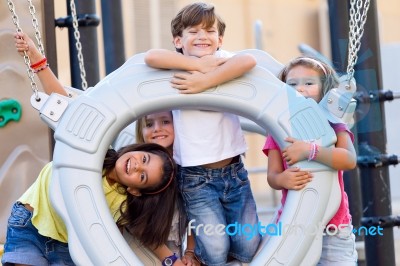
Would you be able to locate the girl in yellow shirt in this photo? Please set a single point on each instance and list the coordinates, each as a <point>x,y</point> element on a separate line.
<point>139,186</point>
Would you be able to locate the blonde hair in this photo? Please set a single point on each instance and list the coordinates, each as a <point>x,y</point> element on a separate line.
<point>328,76</point>
<point>140,124</point>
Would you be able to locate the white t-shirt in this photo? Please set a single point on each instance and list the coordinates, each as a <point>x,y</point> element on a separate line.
<point>203,137</point>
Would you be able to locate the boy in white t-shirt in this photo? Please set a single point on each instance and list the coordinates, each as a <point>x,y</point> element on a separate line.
<point>208,144</point>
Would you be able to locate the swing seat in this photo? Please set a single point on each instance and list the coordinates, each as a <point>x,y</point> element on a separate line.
<point>91,122</point>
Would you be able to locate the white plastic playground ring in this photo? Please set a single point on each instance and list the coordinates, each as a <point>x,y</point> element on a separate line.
<point>92,121</point>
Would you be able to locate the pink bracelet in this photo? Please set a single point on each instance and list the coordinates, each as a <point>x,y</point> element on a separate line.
<point>313,151</point>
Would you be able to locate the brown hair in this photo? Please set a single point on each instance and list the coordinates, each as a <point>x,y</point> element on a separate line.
<point>193,15</point>
<point>149,217</point>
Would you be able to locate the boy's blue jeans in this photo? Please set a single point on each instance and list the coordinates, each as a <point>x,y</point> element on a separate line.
<point>221,212</point>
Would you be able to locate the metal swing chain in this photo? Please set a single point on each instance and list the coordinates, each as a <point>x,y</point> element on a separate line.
<point>356,24</point>
<point>35,24</point>
<point>78,44</point>
<point>27,61</point>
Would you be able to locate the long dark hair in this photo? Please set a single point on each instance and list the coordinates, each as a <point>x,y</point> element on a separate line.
<point>140,124</point>
<point>147,217</point>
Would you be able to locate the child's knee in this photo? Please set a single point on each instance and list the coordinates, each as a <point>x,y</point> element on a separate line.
<point>213,250</point>
<point>245,247</point>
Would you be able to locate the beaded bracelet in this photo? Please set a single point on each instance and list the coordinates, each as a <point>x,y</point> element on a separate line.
<point>189,250</point>
<point>40,69</point>
<point>38,64</point>
<point>313,151</point>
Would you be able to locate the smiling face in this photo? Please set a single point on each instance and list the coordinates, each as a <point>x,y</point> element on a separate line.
<point>158,128</point>
<point>306,81</point>
<point>198,40</point>
<point>138,170</point>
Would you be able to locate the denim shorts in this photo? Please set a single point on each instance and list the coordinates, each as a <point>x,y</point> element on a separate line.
<point>217,199</point>
<point>24,244</point>
<point>339,249</point>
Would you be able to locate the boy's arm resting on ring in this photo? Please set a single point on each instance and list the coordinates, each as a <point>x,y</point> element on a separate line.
<point>167,59</point>
<point>233,68</point>
<point>203,73</point>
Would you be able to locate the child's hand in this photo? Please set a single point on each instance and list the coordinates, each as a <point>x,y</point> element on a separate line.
<point>179,262</point>
<point>296,152</point>
<point>189,82</point>
<point>21,43</point>
<point>25,44</point>
<point>294,178</point>
<point>189,259</point>
<point>209,63</point>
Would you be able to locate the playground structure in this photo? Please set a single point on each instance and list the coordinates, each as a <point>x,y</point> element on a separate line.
<point>134,90</point>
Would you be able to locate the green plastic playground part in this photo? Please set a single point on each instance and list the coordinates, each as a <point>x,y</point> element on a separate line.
<point>10,109</point>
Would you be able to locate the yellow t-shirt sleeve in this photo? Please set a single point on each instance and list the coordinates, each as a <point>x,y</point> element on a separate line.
<point>114,198</point>
<point>45,218</point>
